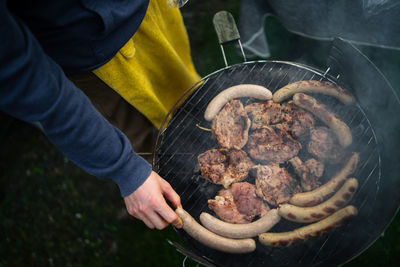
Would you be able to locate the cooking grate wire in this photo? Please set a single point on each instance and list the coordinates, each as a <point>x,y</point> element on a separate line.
<point>196,115</point>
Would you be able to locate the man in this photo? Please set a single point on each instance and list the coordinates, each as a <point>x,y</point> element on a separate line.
<point>132,47</point>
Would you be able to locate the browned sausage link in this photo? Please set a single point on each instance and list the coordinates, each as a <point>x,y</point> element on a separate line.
<point>312,230</point>
<point>341,130</point>
<point>232,230</point>
<point>323,210</point>
<point>312,198</point>
<point>237,91</point>
<point>204,236</point>
<point>313,86</point>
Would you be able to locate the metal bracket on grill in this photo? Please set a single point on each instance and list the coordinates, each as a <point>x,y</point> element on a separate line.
<point>329,70</point>
<point>227,32</point>
<point>187,253</point>
<point>176,3</point>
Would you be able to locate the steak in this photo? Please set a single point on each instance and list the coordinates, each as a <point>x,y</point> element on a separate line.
<point>316,167</point>
<point>239,204</point>
<point>309,172</point>
<point>231,125</point>
<point>212,165</point>
<point>275,184</point>
<point>301,121</point>
<point>222,166</point>
<point>292,118</point>
<point>272,144</point>
<point>239,164</point>
<point>265,114</point>
<point>247,201</point>
<point>325,146</point>
<point>225,208</point>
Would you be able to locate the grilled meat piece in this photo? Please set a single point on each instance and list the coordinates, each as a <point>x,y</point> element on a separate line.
<point>213,165</point>
<point>225,208</point>
<point>325,146</point>
<point>222,166</point>
<point>246,199</point>
<point>301,121</point>
<point>272,144</point>
<point>309,172</point>
<point>239,204</point>
<point>266,113</point>
<point>275,184</point>
<point>316,167</point>
<point>290,117</point>
<point>239,164</point>
<point>231,125</point>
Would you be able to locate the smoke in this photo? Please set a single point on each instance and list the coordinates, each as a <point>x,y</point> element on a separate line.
<point>376,7</point>
<point>366,22</point>
<point>373,25</point>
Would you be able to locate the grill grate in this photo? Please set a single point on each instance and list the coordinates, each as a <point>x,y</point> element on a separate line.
<point>182,141</point>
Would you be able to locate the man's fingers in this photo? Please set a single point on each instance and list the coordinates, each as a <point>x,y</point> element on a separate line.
<point>146,221</point>
<point>170,193</point>
<point>134,212</point>
<point>166,212</point>
<point>174,198</point>
<point>157,220</point>
<point>149,203</point>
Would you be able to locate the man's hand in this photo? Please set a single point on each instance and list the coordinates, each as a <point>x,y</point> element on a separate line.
<point>148,204</point>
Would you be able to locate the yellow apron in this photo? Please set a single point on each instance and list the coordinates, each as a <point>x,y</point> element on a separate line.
<point>154,67</point>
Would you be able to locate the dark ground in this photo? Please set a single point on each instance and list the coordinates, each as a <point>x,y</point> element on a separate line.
<point>54,214</point>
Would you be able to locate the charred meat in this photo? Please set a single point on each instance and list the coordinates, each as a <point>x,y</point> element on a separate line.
<point>265,114</point>
<point>272,144</point>
<point>222,166</point>
<point>315,167</point>
<point>225,208</point>
<point>325,146</point>
<point>309,172</point>
<point>212,165</point>
<point>239,164</point>
<point>275,184</point>
<point>246,199</point>
<point>231,125</point>
<point>301,121</point>
<point>239,204</point>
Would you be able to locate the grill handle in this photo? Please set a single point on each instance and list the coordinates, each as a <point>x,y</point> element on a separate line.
<point>227,32</point>
<point>176,3</point>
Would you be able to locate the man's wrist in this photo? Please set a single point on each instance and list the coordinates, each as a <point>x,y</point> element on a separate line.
<point>132,175</point>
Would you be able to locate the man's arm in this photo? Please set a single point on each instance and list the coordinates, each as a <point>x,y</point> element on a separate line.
<point>34,88</point>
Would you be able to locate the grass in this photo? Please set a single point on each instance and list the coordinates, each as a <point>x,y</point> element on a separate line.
<point>54,214</point>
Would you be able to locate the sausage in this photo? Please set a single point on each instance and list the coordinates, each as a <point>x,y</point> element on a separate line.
<point>301,234</point>
<point>313,86</point>
<point>341,130</point>
<point>266,222</point>
<point>204,236</point>
<point>311,198</point>
<point>237,91</point>
<point>323,210</point>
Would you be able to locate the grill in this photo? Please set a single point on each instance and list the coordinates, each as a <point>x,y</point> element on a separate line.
<point>182,141</point>
<point>183,138</point>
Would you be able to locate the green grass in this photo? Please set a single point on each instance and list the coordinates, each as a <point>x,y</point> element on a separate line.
<point>54,214</point>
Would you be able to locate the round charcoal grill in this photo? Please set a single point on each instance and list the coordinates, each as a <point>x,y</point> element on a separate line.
<point>183,140</point>
<point>185,137</point>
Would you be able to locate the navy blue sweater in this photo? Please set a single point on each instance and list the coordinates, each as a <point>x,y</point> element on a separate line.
<point>40,40</point>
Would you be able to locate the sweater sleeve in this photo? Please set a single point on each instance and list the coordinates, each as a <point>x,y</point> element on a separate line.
<point>34,88</point>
